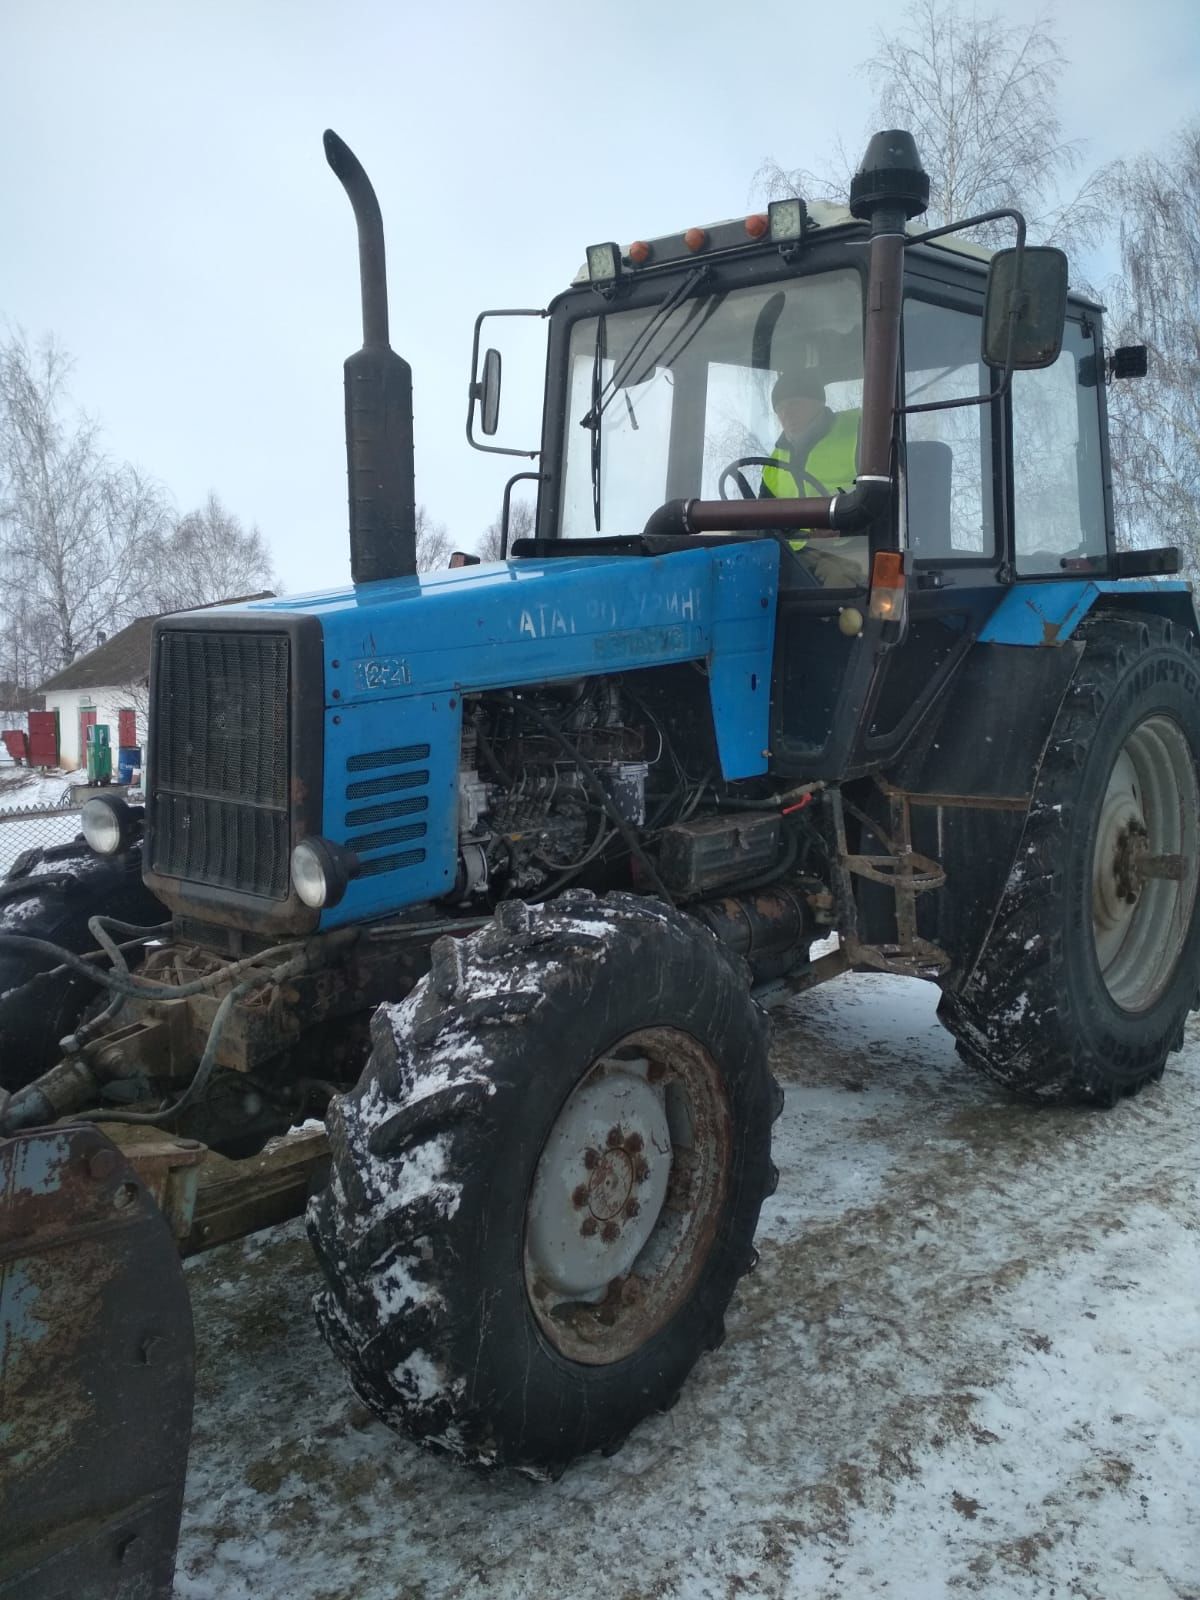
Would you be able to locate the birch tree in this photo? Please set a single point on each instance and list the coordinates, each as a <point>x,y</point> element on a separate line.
<point>1155,421</point>
<point>980,96</point>
<point>78,534</point>
<point>207,555</point>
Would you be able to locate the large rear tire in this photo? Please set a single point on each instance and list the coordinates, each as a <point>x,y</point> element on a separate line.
<point>545,1186</point>
<point>1093,961</point>
<point>51,894</point>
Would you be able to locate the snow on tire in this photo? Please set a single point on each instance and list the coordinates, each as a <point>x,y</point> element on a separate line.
<point>1093,961</point>
<point>545,1186</point>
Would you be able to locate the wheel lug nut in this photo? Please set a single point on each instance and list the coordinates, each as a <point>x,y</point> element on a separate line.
<point>615,1138</point>
<point>632,1208</point>
<point>588,1227</point>
<point>609,1232</point>
<point>634,1143</point>
<point>580,1198</point>
<point>642,1171</point>
<point>590,1158</point>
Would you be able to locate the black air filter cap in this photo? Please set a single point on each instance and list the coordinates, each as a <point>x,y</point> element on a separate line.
<point>890,175</point>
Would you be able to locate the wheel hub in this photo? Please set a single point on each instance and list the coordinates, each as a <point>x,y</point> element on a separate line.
<point>601,1182</point>
<point>610,1186</point>
<point>1122,838</point>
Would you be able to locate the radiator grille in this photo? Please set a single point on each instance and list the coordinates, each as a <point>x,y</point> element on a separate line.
<point>220,760</point>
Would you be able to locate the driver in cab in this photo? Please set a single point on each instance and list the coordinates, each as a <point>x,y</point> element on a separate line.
<point>814,456</point>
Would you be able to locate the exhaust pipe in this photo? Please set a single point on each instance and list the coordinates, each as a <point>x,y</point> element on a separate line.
<point>379,425</point>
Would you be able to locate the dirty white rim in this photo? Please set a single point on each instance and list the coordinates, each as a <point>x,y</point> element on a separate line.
<point>1144,867</point>
<point>626,1196</point>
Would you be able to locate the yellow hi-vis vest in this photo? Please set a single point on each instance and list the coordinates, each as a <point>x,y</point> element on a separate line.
<point>832,461</point>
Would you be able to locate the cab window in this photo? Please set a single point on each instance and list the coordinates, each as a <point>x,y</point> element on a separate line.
<point>948,491</point>
<point>1058,490</point>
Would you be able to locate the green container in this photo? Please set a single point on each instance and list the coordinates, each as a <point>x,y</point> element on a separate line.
<point>99,754</point>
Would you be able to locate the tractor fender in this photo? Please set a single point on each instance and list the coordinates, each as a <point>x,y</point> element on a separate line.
<point>969,778</point>
<point>1047,614</point>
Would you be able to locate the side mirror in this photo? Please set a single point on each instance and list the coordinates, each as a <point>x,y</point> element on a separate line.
<point>489,393</point>
<point>1029,308</point>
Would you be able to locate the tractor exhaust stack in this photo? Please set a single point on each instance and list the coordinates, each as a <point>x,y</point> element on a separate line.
<point>379,425</point>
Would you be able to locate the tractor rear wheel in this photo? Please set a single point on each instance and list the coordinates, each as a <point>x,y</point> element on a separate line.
<point>51,894</point>
<point>1093,961</point>
<point>545,1186</point>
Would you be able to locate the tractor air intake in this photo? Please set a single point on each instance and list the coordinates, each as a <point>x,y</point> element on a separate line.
<point>379,431</point>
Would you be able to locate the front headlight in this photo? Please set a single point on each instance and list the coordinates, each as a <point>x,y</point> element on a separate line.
<point>321,871</point>
<point>109,825</point>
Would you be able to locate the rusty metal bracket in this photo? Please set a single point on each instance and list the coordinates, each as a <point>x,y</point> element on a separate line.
<point>96,1374</point>
<point>903,870</point>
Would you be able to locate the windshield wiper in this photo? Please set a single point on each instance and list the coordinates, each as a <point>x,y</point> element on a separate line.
<point>641,350</point>
<point>602,398</point>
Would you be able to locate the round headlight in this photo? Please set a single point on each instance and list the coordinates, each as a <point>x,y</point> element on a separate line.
<point>108,825</point>
<point>308,874</point>
<point>321,871</point>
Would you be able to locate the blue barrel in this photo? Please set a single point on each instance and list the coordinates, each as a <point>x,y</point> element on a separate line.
<point>129,759</point>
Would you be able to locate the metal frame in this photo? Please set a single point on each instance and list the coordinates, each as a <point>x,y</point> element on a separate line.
<point>474,393</point>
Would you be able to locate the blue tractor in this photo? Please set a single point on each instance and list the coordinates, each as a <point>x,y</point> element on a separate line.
<point>821,631</point>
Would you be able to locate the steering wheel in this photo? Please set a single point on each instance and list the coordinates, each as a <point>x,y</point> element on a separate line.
<point>734,471</point>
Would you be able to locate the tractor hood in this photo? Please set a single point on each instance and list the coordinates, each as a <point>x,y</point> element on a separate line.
<point>380,731</point>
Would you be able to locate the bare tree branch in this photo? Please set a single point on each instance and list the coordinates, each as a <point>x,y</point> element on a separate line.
<point>88,544</point>
<point>1155,421</point>
<point>520,526</point>
<point>433,542</point>
<point>979,96</point>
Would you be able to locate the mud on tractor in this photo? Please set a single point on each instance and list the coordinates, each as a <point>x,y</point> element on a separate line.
<point>496,869</point>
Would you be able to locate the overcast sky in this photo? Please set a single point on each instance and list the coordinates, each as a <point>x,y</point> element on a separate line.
<point>166,210</point>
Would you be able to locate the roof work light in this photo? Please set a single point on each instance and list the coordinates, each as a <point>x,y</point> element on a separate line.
<point>603,263</point>
<point>786,219</point>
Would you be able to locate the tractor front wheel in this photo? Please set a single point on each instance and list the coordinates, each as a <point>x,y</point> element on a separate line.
<point>1093,961</point>
<point>51,894</point>
<point>545,1186</point>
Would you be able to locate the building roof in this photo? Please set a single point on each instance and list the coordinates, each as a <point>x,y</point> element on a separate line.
<point>125,658</point>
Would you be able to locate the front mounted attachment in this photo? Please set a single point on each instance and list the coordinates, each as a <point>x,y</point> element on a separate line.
<point>96,1352</point>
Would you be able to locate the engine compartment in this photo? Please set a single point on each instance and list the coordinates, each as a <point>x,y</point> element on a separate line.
<point>602,782</point>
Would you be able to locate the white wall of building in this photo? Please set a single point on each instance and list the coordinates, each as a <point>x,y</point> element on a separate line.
<point>69,703</point>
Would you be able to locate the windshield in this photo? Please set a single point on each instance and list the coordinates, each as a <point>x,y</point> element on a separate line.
<point>773,372</point>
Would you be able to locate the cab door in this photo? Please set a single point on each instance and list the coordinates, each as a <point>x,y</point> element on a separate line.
<point>952,509</point>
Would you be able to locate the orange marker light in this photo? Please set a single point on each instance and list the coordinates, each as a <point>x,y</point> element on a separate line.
<point>757,225</point>
<point>887,586</point>
<point>639,252</point>
<point>695,239</point>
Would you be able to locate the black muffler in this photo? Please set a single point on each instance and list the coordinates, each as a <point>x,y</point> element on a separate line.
<point>379,424</point>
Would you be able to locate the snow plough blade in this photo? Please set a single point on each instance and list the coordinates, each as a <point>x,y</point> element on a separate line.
<point>96,1374</point>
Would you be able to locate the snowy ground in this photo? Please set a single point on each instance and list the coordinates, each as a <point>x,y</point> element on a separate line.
<point>23,789</point>
<point>968,1364</point>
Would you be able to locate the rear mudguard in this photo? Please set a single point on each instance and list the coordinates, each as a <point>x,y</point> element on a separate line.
<point>970,774</point>
<point>96,1374</point>
<point>968,780</point>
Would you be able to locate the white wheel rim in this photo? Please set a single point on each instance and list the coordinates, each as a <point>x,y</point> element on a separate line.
<point>626,1196</point>
<point>1147,829</point>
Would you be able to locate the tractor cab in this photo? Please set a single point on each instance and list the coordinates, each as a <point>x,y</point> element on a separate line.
<point>700,383</point>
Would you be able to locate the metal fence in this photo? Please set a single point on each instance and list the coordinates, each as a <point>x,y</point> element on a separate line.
<point>32,827</point>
